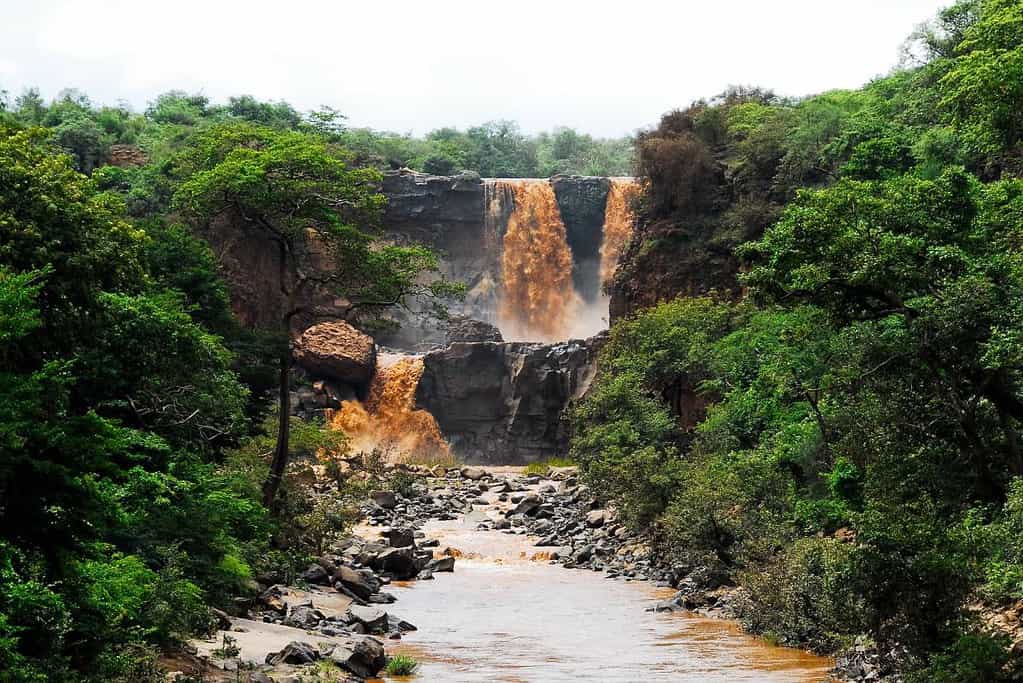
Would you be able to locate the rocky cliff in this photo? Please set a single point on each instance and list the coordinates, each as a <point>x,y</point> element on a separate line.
<point>505,403</point>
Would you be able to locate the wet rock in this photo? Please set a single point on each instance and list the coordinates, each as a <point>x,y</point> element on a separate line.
<point>259,677</point>
<point>442,564</point>
<point>372,619</point>
<point>401,562</point>
<point>504,402</point>
<point>295,652</point>
<point>363,657</point>
<point>461,328</point>
<point>400,538</point>
<point>337,350</point>
<point>354,581</point>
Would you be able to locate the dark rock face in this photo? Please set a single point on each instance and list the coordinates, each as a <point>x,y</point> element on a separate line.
<point>447,214</point>
<point>463,218</point>
<point>464,329</point>
<point>581,201</point>
<point>505,403</point>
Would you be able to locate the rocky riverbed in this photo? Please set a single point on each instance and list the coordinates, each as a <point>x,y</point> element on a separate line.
<point>462,573</point>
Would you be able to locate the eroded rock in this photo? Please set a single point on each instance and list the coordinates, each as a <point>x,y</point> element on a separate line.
<point>337,350</point>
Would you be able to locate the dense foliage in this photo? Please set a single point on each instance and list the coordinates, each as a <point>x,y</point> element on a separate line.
<point>496,149</point>
<point>842,441</point>
<point>134,409</point>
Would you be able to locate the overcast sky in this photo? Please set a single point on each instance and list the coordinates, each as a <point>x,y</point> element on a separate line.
<point>604,68</point>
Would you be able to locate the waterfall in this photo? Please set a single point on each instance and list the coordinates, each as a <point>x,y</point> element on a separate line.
<point>388,419</point>
<point>619,220</point>
<point>538,300</point>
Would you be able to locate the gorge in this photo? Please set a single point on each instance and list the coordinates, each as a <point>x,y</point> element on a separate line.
<point>534,254</point>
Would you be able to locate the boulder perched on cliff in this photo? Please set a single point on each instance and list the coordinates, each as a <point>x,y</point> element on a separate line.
<point>338,351</point>
<point>461,328</point>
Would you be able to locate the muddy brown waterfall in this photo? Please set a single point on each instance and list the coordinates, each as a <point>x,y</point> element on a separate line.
<point>537,298</point>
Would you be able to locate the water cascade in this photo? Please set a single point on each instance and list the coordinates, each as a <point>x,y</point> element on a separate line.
<point>619,220</point>
<point>538,300</point>
<point>388,419</point>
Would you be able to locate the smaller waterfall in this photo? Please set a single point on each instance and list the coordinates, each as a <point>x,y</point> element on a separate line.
<point>619,222</point>
<point>388,419</point>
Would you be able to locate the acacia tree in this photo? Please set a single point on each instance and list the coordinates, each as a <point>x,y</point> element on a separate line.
<point>301,193</point>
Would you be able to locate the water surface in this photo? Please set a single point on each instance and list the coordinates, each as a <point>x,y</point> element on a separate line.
<point>502,617</point>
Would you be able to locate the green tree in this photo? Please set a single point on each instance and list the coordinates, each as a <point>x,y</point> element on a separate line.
<point>303,196</point>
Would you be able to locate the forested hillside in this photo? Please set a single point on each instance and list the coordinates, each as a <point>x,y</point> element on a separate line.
<point>829,416</point>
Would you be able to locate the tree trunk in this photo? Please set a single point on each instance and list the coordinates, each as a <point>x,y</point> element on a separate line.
<point>280,459</point>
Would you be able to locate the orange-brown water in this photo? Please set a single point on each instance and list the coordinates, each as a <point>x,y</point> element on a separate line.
<point>504,617</point>
<point>388,419</point>
<point>619,222</point>
<point>538,300</point>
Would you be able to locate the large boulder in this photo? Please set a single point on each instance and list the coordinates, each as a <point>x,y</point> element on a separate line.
<point>373,619</point>
<point>464,329</point>
<point>295,652</point>
<point>361,656</point>
<point>337,350</point>
<point>400,562</point>
<point>356,582</point>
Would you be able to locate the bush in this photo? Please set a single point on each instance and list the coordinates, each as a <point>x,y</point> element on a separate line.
<point>401,665</point>
<point>806,596</point>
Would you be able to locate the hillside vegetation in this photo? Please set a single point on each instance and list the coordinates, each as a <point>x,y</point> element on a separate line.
<point>832,421</point>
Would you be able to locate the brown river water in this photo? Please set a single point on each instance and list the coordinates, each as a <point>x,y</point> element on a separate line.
<point>502,616</point>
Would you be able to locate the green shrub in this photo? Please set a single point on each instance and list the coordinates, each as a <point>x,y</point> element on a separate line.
<point>401,665</point>
<point>974,658</point>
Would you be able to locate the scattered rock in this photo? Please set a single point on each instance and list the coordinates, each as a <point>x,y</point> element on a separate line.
<point>527,505</point>
<point>385,499</point>
<point>400,538</point>
<point>304,617</point>
<point>596,518</point>
<point>354,581</point>
<point>315,574</point>
<point>442,564</point>
<point>295,652</point>
<point>373,619</point>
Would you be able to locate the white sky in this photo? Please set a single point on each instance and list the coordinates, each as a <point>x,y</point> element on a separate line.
<point>604,68</point>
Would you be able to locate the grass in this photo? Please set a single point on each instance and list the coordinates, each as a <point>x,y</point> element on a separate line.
<point>542,466</point>
<point>401,665</point>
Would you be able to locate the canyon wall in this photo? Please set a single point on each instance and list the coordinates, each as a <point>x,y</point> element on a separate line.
<point>528,249</point>
<point>506,403</point>
<point>534,254</point>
